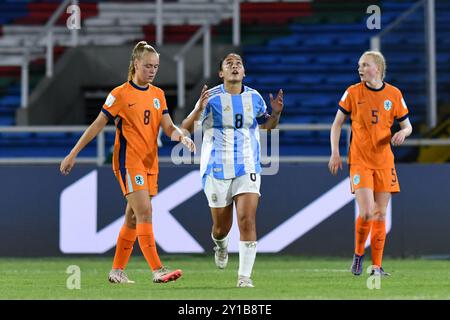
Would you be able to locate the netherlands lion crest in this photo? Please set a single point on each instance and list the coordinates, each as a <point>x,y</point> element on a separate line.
<point>387,105</point>
<point>156,103</point>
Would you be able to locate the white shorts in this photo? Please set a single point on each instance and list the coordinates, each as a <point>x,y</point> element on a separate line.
<point>220,192</point>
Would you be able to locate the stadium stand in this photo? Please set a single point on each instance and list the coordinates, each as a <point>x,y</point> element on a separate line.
<point>317,61</point>
<point>306,48</point>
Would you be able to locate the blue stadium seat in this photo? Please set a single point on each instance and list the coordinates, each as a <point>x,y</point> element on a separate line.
<point>406,79</point>
<point>353,41</point>
<point>313,79</point>
<point>331,59</point>
<point>15,135</point>
<point>321,40</point>
<point>285,41</point>
<point>273,79</point>
<point>14,90</point>
<point>257,59</point>
<point>444,77</point>
<point>297,58</point>
<point>7,121</point>
<point>316,102</point>
<point>10,100</point>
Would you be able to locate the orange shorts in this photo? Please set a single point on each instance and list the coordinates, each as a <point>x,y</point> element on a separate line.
<point>379,180</point>
<point>131,180</point>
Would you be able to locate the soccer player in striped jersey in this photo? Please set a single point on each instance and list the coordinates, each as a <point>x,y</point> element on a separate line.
<point>230,115</point>
<point>372,105</point>
<point>138,109</point>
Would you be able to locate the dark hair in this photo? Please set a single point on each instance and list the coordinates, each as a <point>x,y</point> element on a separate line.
<point>223,59</point>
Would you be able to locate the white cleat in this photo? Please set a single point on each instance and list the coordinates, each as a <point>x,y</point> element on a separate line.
<point>221,257</point>
<point>378,271</point>
<point>118,276</point>
<point>164,275</point>
<point>244,282</point>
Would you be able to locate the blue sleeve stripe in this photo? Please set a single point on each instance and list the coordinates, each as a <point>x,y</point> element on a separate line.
<point>122,149</point>
<point>165,111</point>
<point>403,118</point>
<point>215,91</point>
<point>344,111</point>
<point>110,117</point>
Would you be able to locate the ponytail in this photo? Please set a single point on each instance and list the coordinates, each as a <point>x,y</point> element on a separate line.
<point>139,50</point>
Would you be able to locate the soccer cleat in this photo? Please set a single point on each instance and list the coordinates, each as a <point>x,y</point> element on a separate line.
<point>244,282</point>
<point>118,276</point>
<point>357,265</point>
<point>378,271</point>
<point>221,257</point>
<point>163,275</point>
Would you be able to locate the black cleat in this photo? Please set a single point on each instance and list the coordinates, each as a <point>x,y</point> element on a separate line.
<point>357,265</point>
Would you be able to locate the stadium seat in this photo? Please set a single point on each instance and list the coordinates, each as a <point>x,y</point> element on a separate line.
<point>312,59</point>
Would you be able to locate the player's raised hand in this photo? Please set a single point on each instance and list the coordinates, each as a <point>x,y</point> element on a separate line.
<point>188,143</point>
<point>204,96</point>
<point>398,138</point>
<point>67,165</point>
<point>334,164</point>
<point>277,103</point>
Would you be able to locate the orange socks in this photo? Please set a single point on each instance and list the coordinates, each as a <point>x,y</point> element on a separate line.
<point>377,240</point>
<point>148,246</point>
<point>125,242</point>
<point>362,229</point>
<point>124,247</point>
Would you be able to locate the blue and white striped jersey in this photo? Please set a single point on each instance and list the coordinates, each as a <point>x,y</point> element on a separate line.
<point>231,146</point>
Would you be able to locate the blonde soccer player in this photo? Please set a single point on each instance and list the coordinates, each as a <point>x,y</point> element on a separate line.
<point>138,109</point>
<point>372,106</point>
<point>231,115</point>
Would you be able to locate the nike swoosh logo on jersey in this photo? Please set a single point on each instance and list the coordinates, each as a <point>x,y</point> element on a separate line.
<point>359,102</point>
<point>131,104</point>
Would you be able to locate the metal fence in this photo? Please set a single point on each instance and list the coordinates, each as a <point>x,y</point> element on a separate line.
<point>99,159</point>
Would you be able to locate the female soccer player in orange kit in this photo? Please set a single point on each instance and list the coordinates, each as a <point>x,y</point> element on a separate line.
<point>372,106</point>
<point>138,109</point>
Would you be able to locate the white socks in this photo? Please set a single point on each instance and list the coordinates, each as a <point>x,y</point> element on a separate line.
<point>247,255</point>
<point>222,243</point>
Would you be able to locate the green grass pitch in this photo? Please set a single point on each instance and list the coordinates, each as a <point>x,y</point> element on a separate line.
<point>275,277</point>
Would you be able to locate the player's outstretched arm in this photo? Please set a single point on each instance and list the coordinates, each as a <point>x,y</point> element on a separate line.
<point>188,123</point>
<point>335,160</point>
<point>90,133</point>
<point>404,132</point>
<point>277,107</point>
<point>175,133</point>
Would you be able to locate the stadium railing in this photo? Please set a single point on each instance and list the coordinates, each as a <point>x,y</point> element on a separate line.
<point>43,43</point>
<point>22,56</point>
<point>100,157</point>
<point>205,33</point>
<point>408,35</point>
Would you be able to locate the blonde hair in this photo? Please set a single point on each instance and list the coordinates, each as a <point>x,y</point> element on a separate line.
<point>379,60</point>
<point>139,50</point>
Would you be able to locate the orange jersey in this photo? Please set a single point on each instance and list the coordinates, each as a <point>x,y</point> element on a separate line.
<point>137,113</point>
<point>372,113</point>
